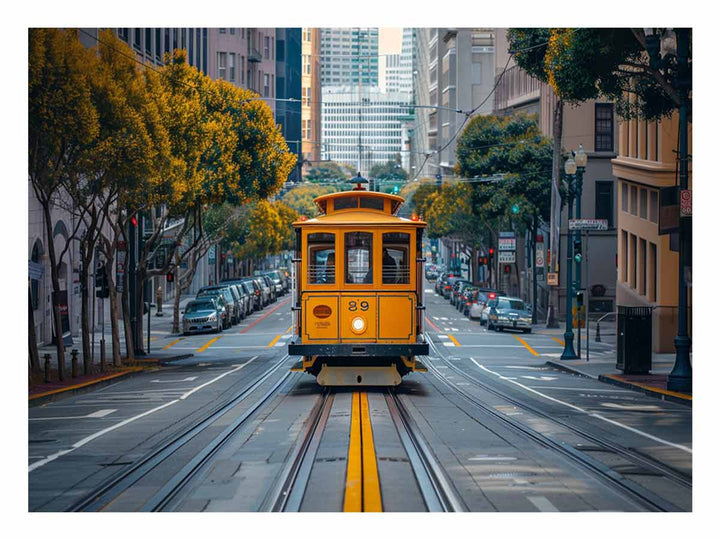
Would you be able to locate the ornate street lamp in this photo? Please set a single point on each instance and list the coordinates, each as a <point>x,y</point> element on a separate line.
<point>581,161</point>
<point>674,44</point>
<point>569,353</point>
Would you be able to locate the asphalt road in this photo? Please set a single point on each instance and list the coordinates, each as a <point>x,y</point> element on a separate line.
<point>507,432</point>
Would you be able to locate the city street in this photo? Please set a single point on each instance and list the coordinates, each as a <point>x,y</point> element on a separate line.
<point>489,427</point>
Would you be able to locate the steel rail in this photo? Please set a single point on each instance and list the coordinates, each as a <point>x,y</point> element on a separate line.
<point>436,488</point>
<point>288,492</point>
<point>630,454</point>
<point>635,491</point>
<point>110,490</point>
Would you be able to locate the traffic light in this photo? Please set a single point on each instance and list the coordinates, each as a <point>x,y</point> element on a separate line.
<point>579,298</point>
<point>102,288</point>
<point>492,252</point>
<point>438,179</point>
<point>170,277</point>
<point>515,208</point>
<point>577,250</point>
<point>506,269</point>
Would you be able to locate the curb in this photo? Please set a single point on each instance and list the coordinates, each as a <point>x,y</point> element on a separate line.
<point>51,395</point>
<point>162,361</point>
<point>637,387</point>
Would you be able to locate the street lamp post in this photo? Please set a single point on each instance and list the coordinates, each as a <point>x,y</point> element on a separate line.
<point>581,162</point>
<point>661,49</point>
<point>569,353</point>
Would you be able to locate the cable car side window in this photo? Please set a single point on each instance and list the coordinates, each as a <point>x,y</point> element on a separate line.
<point>396,258</point>
<point>358,257</point>
<point>321,258</point>
<point>343,203</point>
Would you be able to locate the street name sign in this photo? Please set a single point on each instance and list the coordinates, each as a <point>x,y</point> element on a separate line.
<point>588,225</point>
<point>506,257</point>
<point>506,244</point>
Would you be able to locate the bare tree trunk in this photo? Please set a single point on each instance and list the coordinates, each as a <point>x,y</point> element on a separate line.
<point>114,327</point>
<point>85,310</point>
<point>55,278</point>
<point>32,338</point>
<point>129,347</point>
<point>555,210</point>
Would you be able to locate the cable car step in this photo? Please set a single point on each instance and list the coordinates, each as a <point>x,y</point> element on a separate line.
<point>420,367</point>
<point>298,366</point>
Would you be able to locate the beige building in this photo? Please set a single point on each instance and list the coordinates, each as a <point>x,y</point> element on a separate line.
<point>647,261</point>
<point>311,94</point>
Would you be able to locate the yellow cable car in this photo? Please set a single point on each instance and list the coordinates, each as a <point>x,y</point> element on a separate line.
<point>358,291</point>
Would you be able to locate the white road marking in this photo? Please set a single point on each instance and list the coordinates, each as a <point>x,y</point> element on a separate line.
<point>541,378</point>
<point>186,394</point>
<point>442,336</point>
<point>542,504</point>
<point>454,329</point>
<point>492,458</point>
<point>526,367</point>
<point>631,407</point>
<point>594,415</point>
<point>583,391</point>
<point>443,318</point>
<point>287,336</point>
<point>429,290</point>
<point>436,318</point>
<point>94,436</point>
<point>280,344</point>
<point>174,381</point>
<point>97,414</point>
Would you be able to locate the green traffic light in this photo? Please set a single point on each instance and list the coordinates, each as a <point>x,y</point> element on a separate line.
<point>515,209</point>
<point>578,257</point>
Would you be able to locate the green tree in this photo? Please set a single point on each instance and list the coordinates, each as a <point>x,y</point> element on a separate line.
<point>327,172</point>
<point>301,197</point>
<point>63,122</point>
<point>388,171</point>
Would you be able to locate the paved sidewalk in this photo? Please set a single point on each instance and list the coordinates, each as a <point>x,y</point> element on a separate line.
<point>40,391</point>
<point>603,369</point>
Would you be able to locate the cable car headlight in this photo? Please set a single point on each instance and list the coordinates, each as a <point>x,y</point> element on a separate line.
<point>358,325</point>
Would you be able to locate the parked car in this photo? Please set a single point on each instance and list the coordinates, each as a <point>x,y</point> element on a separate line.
<point>258,293</point>
<point>477,302</point>
<point>440,282</point>
<point>222,303</point>
<point>463,303</point>
<point>432,272</point>
<point>242,294</point>
<point>202,315</point>
<point>456,288</point>
<point>232,301</point>
<point>448,286</point>
<point>265,281</point>
<point>274,276</point>
<point>508,312</point>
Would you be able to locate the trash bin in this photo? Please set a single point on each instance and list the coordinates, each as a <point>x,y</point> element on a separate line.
<point>634,340</point>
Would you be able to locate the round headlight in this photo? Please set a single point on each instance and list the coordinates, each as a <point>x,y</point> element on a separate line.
<point>358,325</point>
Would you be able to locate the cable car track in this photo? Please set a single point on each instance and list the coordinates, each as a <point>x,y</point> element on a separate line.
<point>104,495</point>
<point>637,492</point>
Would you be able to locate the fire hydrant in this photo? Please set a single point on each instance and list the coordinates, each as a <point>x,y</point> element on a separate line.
<point>158,301</point>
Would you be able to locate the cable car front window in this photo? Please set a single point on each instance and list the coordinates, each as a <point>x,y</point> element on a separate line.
<point>358,257</point>
<point>321,258</point>
<point>396,258</point>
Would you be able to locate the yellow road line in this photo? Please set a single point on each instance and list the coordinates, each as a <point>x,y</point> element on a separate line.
<point>528,347</point>
<point>653,388</point>
<point>353,480</point>
<point>560,341</point>
<point>172,343</point>
<point>213,340</point>
<point>372,501</point>
<point>452,338</point>
<point>274,341</point>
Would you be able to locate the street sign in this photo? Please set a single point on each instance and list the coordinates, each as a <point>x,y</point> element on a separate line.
<point>552,278</point>
<point>506,244</point>
<point>685,203</point>
<point>506,234</point>
<point>506,257</point>
<point>588,225</point>
<point>35,270</point>
<point>211,255</point>
<point>540,255</point>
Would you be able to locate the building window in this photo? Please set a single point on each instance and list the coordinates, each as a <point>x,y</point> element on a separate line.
<point>222,65</point>
<point>167,40</point>
<point>267,47</point>
<point>137,39</point>
<point>232,31</point>
<point>653,272</point>
<point>232,67</point>
<point>124,34</point>
<point>242,70</point>
<point>642,263</point>
<point>624,197</point>
<point>148,41</point>
<point>223,30</point>
<point>266,86</point>
<point>158,43</point>
<point>633,261</point>
<point>633,200</point>
<point>625,258</point>
<point>604,198</point>
<point>604,127</point>
<point>643,203</point>
<point>654,206</point>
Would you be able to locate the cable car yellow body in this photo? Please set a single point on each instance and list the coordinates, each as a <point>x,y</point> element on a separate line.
<point>358,291</point>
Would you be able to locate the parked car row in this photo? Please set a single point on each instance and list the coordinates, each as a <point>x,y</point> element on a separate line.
<point>218,307</point>
<point>491,307</point>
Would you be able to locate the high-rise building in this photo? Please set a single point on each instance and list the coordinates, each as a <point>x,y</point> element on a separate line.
<point>311,94</point>
<point>288,85</point>
<point>362,127</point>
<point>349,56</point>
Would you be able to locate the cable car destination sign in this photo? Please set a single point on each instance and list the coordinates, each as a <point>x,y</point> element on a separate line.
<point>588,225</point>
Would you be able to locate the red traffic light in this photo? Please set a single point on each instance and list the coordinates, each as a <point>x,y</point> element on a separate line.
<point>170,277</point>
<point>492,251</point>
<point>133,220</point>
<point>506,269</point>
